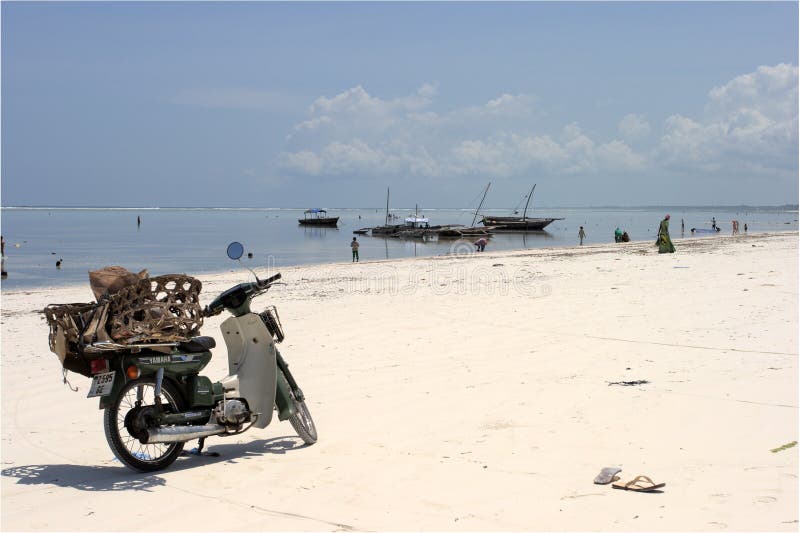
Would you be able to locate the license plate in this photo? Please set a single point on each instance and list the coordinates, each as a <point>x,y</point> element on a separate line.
<point>101,384</point>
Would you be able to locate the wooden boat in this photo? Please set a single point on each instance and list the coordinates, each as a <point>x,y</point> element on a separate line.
<point>523,223</point>
<point>387,229</point>
<point>517,223</point>
<point>316,217</point>
<point>457,232</point>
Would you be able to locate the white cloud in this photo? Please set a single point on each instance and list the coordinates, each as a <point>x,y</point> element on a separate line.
<point>511,104</point>
<point>634,126</point>
<point>355,133</point>
<point>749,123</point>
<point>313,123</point>
<point>616,155</point>
<point>305,162</point>
<point>356,101</point>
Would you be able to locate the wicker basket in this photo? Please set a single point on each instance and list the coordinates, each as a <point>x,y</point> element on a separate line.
<point>69,325</point>
<point>164,308</point>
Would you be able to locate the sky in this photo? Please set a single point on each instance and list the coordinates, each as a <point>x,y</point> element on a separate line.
<point>269,104</point>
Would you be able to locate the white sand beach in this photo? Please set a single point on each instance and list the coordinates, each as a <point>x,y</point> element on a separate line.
<point>460,393</point>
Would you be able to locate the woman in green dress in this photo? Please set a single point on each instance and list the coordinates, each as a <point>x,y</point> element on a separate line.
<point>664,242</point>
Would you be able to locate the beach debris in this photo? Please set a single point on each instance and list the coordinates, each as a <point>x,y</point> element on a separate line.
<point>784,447</point>
<point>629,383</point>
<point>497,265</point>
<point>639,484</point>
<point>607,475</point>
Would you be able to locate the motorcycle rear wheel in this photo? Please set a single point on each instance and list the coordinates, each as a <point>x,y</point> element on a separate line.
<point>301,420</point>
<point>126,447</point>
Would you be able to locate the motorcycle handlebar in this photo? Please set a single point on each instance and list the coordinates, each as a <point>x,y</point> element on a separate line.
<point>264,283</point>
<point>250,290</point>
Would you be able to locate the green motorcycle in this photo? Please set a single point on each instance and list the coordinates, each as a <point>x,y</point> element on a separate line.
<point>155,400</point>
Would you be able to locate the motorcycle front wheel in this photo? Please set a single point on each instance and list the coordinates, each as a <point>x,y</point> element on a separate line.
<point>127,413</point>
<point>301,420</point>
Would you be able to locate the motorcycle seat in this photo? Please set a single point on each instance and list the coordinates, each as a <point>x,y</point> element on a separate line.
<point>198,344</point>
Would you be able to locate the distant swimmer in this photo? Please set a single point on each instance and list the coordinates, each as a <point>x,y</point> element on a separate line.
<point>58,263</point>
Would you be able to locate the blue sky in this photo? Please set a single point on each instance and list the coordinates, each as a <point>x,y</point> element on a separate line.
<point>327,104</point>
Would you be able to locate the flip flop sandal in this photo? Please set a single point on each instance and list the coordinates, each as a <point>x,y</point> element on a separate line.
<point>607,475</point>
<point>639,484</point>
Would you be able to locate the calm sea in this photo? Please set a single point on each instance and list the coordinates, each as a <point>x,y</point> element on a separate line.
<point>194,240</point>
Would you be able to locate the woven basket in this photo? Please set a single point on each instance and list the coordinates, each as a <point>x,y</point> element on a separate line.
<point>163,308</point>
<point>68,323</point>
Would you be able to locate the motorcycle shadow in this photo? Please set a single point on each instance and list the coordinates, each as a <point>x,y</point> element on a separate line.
<point>120,478</point>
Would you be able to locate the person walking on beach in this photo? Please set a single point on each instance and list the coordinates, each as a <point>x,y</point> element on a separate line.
<point>3,272</point>
<point>682,226</point>
<point>664,242</point>
<point>354,246</point>
<point>713,223</point>
<point>581,235</point>
<point>745,227</point>
<point>617,235</point>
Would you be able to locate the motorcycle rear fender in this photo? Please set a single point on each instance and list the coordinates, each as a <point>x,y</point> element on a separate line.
<point>179,367</point>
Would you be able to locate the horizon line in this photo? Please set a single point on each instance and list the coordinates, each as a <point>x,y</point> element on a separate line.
<point>611,206</point>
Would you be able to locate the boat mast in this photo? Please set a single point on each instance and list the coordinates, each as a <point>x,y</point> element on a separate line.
<point>524,213</point>
<point>481,204</point>
<point>387,206</point>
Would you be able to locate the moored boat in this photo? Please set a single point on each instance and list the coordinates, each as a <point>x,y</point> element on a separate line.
<point>517,223</point>
<point>523,223</point>
<point>317,217</point>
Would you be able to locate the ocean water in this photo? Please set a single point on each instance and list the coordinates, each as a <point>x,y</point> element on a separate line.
<point>192,241</point>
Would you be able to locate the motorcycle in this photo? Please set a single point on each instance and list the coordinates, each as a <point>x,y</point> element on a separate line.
<point>155,399</point>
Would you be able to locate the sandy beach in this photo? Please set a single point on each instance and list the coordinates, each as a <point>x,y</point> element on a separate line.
<point>475,392</point>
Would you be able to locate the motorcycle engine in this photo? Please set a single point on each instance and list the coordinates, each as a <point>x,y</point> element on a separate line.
<point>232,412</point>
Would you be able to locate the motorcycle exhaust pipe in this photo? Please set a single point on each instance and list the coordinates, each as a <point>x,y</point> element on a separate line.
<point>181,433</point>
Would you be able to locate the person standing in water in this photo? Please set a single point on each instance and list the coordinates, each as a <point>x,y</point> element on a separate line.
<point>665,245</point>
<point>354,246</point>
<point>581,235</point>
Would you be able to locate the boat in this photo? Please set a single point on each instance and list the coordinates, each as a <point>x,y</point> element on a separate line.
<point>517,223</point>
<point>317,217</point>
<point>523,223</point>
<point>704,230</point>
<point>387,229</point>
<point>415,226</point>
<point>458,231</point>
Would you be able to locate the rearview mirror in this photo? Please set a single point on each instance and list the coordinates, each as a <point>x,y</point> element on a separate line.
<point>235,250</point>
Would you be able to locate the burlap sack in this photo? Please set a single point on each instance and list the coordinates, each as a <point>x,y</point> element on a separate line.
<point>112,279</point>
